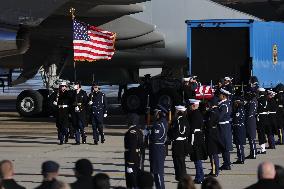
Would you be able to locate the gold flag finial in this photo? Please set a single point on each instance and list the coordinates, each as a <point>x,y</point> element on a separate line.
<point>72,12</point>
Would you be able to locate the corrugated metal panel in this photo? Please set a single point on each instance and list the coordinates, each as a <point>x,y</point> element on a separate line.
<point>264,35</point>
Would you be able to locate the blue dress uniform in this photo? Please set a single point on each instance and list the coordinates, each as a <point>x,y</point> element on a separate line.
<point>196,136</point>
<point>63,103</point>
<point>262,119</point>
<point>157,153</point>
<point>79,119</point>
<point>212,138</point>
<point>225,132</point>
<point>272,124</point>
<point>133,142</point>
<point>239,130</point>
<point>250,122</point>
<point>279,97</point>
<point>98,109</point>
<point>178,135</point>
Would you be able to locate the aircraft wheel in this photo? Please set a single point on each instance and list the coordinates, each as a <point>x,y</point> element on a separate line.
<point>29,103</point>
<point>134,101</point>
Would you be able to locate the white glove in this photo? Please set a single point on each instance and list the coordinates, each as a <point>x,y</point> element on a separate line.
<point>54,103</point>
<point>105,115</point>
<point>145,132</point>
<point>77,109</point>
<point>129,170</point>
<point>91,102</point>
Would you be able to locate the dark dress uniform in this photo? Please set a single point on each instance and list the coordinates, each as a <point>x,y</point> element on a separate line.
<point>225,131</point>
<point>62,115</point>
<point>212,139</point>
<point>178,135</point>
<point>79,117</point>
<point>279,97</point>
<point>46,184</point>
<point>196,136</point>
<point>272,124</point>
<point>262,121</point>
<point>133,142</point>
<point>188,92</point>
<point>98,109</point>
<point>157,153</point>
<point>239,131</point>
<point>250,122</point>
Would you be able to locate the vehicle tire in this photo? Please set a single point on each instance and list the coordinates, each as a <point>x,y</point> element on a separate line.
<point>29,103</point>
<point>168,98</point>
<point>134,101</point>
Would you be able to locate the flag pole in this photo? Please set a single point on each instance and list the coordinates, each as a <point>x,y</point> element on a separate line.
<point>72,12</point>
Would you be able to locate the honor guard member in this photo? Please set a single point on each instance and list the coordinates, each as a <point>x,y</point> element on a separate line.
<point>133,142</point>
<point>157,139</point>
<point>262,119</point>
<point>187,91</point>
<point>228,86</point>
<point>212,138</point>
<point>178,135</point>
<point>196,135</point>
<point>253,84</point>
<point>62,102</point>
<point>80,103</point>
<point>239,129</point>
<point>250,122</point>
<point>98,103</point>
<point>279,97</point>
<point>193,82</point>
<point>224,127</point>
<point>272,124</point>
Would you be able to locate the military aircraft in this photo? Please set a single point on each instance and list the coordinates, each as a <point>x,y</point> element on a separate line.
<point>150,34</point>
<point>270,10</point>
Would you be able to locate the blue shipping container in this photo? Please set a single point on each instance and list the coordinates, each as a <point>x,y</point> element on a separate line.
<point>239,48</point>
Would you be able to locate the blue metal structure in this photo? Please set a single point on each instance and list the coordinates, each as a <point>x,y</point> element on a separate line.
<point>266,46</point>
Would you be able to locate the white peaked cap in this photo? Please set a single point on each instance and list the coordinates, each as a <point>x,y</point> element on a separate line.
<point>260,89</point>
<point>225,91</point>
<point>180,108</point>
<point>228,79</point>
<point>63,83</point>
<point>186,79</point>
<point>193,101</point>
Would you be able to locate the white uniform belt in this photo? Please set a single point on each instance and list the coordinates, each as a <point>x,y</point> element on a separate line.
<point>272,112</point>
<point>196,130</point>
<point>137,150</point>
<point>62,106</point>
<point>280,106</point>
<point>158,143</point>
<point>263,113</point>
<point>181,138</point>
<point>224,122</point>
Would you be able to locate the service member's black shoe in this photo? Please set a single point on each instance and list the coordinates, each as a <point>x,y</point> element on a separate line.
<point>66,140</point>
<point>60,143</point>
<point>77,143</point>
<point>223,167</point>
<point>95,142</point>
<point>260,152</point>
<point>238,162</point>
<point>211,175</point>
<point>197,181</point>
<point>251,157</point>
<point>84,141</point>
<point>103,140</point>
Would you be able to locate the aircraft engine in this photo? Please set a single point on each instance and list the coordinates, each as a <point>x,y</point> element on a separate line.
<point>13,42</point>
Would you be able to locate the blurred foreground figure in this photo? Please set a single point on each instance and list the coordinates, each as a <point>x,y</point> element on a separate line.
<point>6,174</point>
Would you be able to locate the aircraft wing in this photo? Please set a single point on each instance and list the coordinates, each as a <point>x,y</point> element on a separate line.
<point>51,36</point>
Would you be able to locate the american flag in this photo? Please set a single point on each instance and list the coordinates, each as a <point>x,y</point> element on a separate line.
<point>204,92</point>
<point>91,43</point>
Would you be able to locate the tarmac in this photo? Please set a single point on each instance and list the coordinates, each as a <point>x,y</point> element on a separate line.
<point>30,141</point>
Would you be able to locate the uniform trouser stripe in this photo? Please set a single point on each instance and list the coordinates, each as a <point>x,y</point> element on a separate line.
<point>213,165</point>
<point>280,136</point>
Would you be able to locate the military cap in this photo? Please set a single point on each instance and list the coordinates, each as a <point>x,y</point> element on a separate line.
<point>193,101</point>
<point>180,108</point>
<point>133,119</point>
<point>49,167</point>
<point>261,89</point>
<point>228,78</point>
<point>95,83</point>
<point>186,79</point>
<point>63,83</point>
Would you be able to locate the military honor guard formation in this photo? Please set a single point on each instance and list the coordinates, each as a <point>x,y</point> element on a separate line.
<point>203,130</point>
<point>199,129</point>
